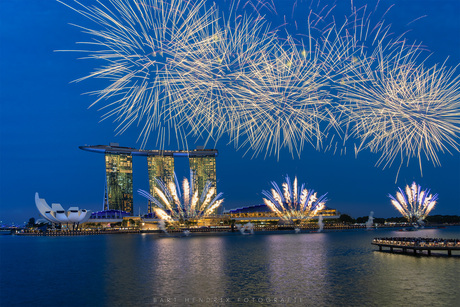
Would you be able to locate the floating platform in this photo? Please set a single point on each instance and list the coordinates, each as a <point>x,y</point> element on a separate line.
<point>417,246</point>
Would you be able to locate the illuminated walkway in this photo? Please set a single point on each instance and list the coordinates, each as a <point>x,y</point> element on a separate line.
<point>418,244</point>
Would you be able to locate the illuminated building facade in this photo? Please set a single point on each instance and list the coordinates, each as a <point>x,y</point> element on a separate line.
<point>119,171</point>
<point>263,212</point>
<point>204,170</point>
<point>119,179</point>
<point>159,167</point>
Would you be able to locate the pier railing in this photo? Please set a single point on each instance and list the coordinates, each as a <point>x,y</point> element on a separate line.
<point>418,244</point>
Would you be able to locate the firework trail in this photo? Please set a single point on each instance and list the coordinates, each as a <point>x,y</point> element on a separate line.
<point>141,43</point>
<point>413,203</point>
<point>172,206</point>
<point>264,93</point>
<point>404,110</point>
<point>283,103</point>
<point>293,202</point>
<point>355,46</point>
<point>385,98</point>
<point>179,68</point>
<point>216,77</point>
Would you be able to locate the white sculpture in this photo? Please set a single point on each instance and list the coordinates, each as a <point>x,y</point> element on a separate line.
<point>57,214</point>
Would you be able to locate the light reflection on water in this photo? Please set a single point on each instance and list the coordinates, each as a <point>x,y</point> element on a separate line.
<point>317,269</point>
<point>298,266</point>
<point>187,267</point>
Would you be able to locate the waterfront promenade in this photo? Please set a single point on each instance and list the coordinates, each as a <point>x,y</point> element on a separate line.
<point>417,245</point>
<point>69,233</point>
<point>222,230</point>
<point>197,230</point>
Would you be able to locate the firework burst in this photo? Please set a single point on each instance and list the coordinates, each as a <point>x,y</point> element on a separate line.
<point>178,68</point>
<point>293,203</point>
<point>284,103</point>
<point>141,43</point>
<point>387,101</point>
<point>172,206</point>
<point>404,110</point>
<point>216,77</point>
<point>413,203</point>
<point>352,49</point>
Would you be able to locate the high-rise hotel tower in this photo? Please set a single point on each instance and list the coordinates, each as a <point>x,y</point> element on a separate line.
<point>119,180</point>
<point>204,170</point>
<point>160,163</point>
<point>159,167</point>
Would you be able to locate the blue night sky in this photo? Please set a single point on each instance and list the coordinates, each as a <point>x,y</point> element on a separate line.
<point>44,118</point>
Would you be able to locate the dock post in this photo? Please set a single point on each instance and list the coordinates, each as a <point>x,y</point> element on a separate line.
<point>415,251</point>
<point>391,248</point>
<point>380,247</point>
<point>429,252</point>
<point>449,252</point>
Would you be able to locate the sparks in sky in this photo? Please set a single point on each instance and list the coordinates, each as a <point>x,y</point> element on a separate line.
<point>171,205</point>
<point>386,99</point>
<point>293,203</point>
<point>282,102</point>
<point>141,45</point>
<point>178,68</point>
<point>217,77</point>
<point>413,203</point>
<point>404,111</point>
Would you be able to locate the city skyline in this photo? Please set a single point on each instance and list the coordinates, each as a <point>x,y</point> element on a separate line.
<point>44,118</point>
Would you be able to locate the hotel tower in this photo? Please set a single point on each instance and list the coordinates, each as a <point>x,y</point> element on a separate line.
<point>160,165</point>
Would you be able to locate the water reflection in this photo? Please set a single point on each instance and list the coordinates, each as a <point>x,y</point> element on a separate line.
<point>350,268</point>
<point>322,269</point>
<point>123,272</point>
<point>426,281</point>
<point>297,267</point>
<point>360,275</point>
<point>187,269</point>
<point>246,262</point>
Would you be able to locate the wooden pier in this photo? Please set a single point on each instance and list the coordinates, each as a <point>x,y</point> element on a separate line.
<point>416,246</point>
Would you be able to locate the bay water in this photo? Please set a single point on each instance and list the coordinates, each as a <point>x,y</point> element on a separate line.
<point>337,268</point>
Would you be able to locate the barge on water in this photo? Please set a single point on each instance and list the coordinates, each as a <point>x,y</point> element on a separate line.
<point>417,245</point>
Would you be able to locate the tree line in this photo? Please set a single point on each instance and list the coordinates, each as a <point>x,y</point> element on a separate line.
<point>434,219</point>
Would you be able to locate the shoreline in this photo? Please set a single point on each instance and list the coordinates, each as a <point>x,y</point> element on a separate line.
<point>218,231</point>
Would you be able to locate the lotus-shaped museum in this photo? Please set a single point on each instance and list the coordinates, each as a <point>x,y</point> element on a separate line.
<point>57,214</point>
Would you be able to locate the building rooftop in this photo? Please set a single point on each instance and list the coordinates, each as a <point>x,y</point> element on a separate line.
<point>251,209</point>
<point>115,148</point>
<point>109,214</point>
<point>258,208</point>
